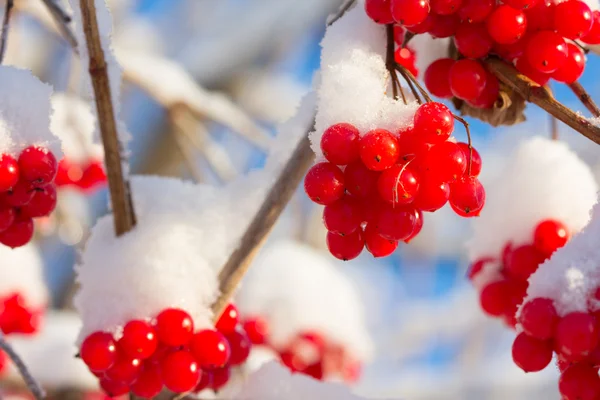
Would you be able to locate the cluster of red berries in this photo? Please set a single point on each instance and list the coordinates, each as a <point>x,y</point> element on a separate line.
<point>502,296</point>
<point>27,191</point>
<point>537,36</point>
<point>308,353</point>
<point>83,176</point>
<point>375,187</point>
<point>167,353</point>
<point>404,55</point>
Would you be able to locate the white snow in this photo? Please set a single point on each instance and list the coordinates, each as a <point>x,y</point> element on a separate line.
<point>297,289</point>
<point>24,112</point>
<point>354,85</point>
<point>541,179</point>
<point>21,270</point>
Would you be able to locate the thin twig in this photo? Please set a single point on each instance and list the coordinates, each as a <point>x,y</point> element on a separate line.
<point>124,216</point>
<point>541,97</point>
<point>63,20</point>
<point>390,63</point>
<point>341,11</point>
<point>585,98</point>
<point>469,141</point>
<point>5,27</point>
<point>33,386</point>
<point>278,196</point>
<point>409,77</point>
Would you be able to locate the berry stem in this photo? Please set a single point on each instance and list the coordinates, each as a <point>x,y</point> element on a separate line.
<point>390,63</point>
<point>411,80</point>
<point>33,386</point>
<point>585,98</point>
<point>124,216</point>
<point>5,26</point>
<point>469,142</point>
<point>542,97</point>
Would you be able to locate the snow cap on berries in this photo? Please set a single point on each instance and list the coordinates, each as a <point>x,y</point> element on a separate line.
<point>22,273</point>
<point>296,289</point>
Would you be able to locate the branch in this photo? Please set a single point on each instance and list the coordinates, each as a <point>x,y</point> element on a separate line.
<point>33,386</point>
<point>279,195</point>
<point>124,217</point>
<point>5,26</point>
<point>585,98</point>
<point>341,11</point>
<point>541,97</point>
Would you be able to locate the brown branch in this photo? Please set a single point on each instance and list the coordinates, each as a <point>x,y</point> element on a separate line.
<point>585,98</point>
<point>5,27</point>
<point>124,217</point>
<point>541,97</point>
<point>278,196</point>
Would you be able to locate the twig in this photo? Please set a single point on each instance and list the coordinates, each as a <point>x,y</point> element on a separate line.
<point>33,386</point>
<point>188,157</point>
<point>585,98</point>
<point>541,97</point>
<point>63,20</point>
<point>469,141</point>
<point>278,196</point>
<point>5,23</point>
<point>390,63</point>
<point>341,11</point>
<point>410,78</point>
<point>124,217</point>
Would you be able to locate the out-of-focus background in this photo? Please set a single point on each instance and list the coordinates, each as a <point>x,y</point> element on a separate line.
<point>431,339</point>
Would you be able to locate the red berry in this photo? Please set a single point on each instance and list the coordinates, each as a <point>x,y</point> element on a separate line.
<point>530,354</point>
<point>474,11</point>
<point>228,321</point>
<point>410,12</point>
<point>396,223</point>
<point>257,330</point>
<point>523,66</point>
<point>398,185</point>
<point>445,7</point>
<point>579,382</point>
<point>475,159</point>
<point>446,162</point>
<point>418,226</point>
<point>344,216</point>
<point>37,165</point>
<point>433,195</point>
<point>359,180</point>
<point>42,203</point>
<point>204,383</point>
<point>524,261</point>
<point>521,4</point>
<point>210,348</point>
<point>346,247</point>
<point>219,378</point>
<point>379,149</point>
<point>511,51</point>
<point>149,382</point>
<point>539,318</point>
<point>125,370</point>
<point>180,372</point>
<point>433,122</point>
<point>174,327</point>
<point>99,351</point>
<point>340,144</point>
<point>473,40</point>
<point>593,36</point>
<point>406,57</point>
<point>490,93</point>
<point>573,68</point>
<point>437,78</point>
<point>546,51</point>
<point>573,19</point>
<point>477,267</point>
<point>379,11</point>
<point>576,336</point>
<point>9,172</point>
<point>467,79</point>
<point>114,389</point>
<point>443,26</point>
<point>7,217</point>
<point>139,339</point>
<point>494,298</point>
<point>240,347</point>
<point>506,25</point>
<point>540,17</point>
<point>376,244</point>
<point>20,194</point>
<point>324,183</point>
<point>549,236</point>
<point>93,175</point>
<point>19,233</point>
<point>422,27</point>
<point>467,196</point>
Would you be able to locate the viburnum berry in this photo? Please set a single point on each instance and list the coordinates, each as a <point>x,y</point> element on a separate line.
<point>473,40</point>
<point>180,372</point>
<point>407,57</point>
<point>443,26</point>
<point>579,382</point>
<point>340,144</point>
<point>99,351</point>
<point>399,34</point>
<point>524,261</point>
<point>523,66</point>
<point>418,216</point>
<point>490,93</point>
<point>540,17</point>
<point>139,339</point>
<point>149,382</point>
<point>324,183</point>
<point>398,185</point>
<point>9,172</point>
<point>521,4</point>
<point>174,327</point>
<point>593,36</point>
<point>240,347</point>
<point>437,78</point>
<point>113,388</point>
<point>219,377</point>
<point>433,195</point>
<point>344,216</point>
<point>473,155</point>
<point>257,329</point>
<point>511,51</point>
<point>477,266</point>
<point>531,354</point>
<point>19,195</point>
<point>19,233</point>
<point>125,370</point>
<point>538,318</point>
<point>506,25</point>
<point>7,217</point>
<point>346,247</point>
<point>467,196</point>
<point>210,348</point>
<point>42,203</point>
<point>573,19</point>
<point>494,298</point>
<point>445,7</point>
<point>379,11</point>
<point>410,12</point>
<point>473,11</point>
<point>376,244</point>
<point>433,122</point>
<point>396,223</point>
<point>546,51</point>
<point>379,149</point>
<point>204,383</point>
<point>549,236</point>
<point>467,79</point>
<point>576,336</point>
<point>446,162</point>
<point>573,67</point>
<point>228,321</point>
<point>359,180</point>
<point>37,165</point>
<point>422,27</point>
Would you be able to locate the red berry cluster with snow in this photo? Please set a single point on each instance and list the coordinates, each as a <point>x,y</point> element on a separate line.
<point>537,36</point>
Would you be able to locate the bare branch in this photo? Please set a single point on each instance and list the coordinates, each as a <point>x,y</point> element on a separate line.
<point>63,21</point>
<point>5,28</point>
<point>585,98</point>
<point>124,217</point>
<point>33,386</point>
